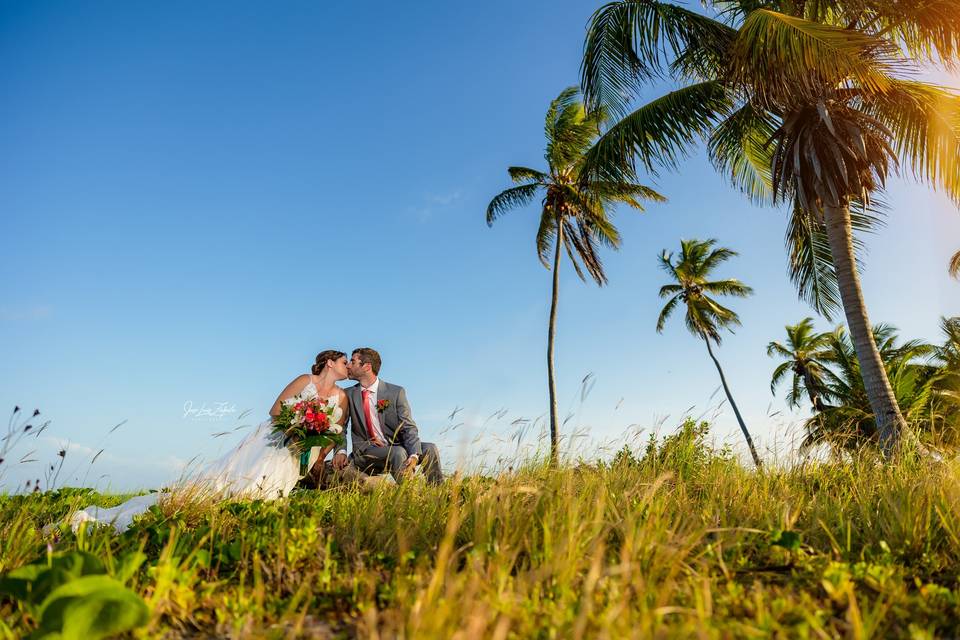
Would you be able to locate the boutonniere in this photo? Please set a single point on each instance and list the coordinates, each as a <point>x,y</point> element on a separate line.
<point>382,405</point>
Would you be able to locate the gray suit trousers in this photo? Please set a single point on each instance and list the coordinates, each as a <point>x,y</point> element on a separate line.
<point>375,460</point>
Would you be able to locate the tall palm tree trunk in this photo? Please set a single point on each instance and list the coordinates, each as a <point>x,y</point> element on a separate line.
<point>890,423</point>
<point>736,411</point>
<point>551,334</point>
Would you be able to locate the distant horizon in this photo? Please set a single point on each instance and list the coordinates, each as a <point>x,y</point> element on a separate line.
<point>200,198</point>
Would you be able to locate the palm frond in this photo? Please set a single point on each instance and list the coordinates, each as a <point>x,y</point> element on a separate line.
<point>511,198</point>
<point>954,266</point>
<point>778,56</point>
<point>730,287</point>
<point>925,29</point>
<point>669,290</point>
<point>810,263</point>
<point>778,374</point>
<point>582,250</point>
<point>524,174</point>
<point>625,192</point>
<point>570,134</point>
<point>775,348</point>
<point>924,121</point>
<point>546,235</point>
<point>632,41</point>
<point>715,258</point>
<point>658,134</point>
<point>557,106</point>
<point>740,149</point>
<point>666,311</point>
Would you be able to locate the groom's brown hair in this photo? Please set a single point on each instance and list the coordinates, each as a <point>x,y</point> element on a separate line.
<point>368,356</point>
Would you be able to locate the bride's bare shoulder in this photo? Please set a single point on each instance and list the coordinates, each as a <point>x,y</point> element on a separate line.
<point>295,386</point>
<point>300,381</point>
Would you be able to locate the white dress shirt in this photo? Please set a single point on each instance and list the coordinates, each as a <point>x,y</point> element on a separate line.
<point>374,414</point>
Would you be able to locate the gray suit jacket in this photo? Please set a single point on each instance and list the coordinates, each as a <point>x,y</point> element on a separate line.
<point>396,421</point>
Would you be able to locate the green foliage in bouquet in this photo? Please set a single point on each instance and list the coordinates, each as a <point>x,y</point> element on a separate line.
<point>300,434</point>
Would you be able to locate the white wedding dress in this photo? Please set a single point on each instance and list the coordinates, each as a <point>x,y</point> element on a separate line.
<point>260,467</point>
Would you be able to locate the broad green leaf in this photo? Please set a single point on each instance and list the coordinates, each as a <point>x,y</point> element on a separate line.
<point>91,607</point>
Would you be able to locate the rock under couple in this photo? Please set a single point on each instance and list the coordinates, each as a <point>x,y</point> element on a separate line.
<point>382,430</point>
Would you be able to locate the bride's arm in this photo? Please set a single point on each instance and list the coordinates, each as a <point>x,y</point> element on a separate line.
<point>289,391</point>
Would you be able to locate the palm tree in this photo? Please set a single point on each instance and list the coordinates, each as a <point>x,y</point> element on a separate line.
<point>705,316</point>
<point>847,423</point>
<point>955,265</point>
<point>575,212</point>
<point>947,356</point>
<point>806,353</point>
<point>808,104</point>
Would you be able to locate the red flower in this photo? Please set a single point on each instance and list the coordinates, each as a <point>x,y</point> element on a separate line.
<point>382,405</point>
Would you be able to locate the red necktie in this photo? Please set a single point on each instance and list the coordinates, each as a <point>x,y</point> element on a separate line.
<point>366,414</point>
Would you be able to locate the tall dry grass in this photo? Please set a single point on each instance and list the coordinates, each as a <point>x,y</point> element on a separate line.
<point>674,540</point>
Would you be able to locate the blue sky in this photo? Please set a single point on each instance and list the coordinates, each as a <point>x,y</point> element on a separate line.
<point>199,197</point>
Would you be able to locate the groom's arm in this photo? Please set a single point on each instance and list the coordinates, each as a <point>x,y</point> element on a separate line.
<point>409,435</point>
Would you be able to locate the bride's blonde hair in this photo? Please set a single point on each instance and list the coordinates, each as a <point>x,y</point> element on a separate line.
<point>322,358</point>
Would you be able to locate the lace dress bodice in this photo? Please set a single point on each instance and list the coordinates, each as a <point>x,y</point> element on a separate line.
<point>310,392</point>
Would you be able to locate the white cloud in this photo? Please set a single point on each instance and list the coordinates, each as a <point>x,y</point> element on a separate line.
<point>434,202</point>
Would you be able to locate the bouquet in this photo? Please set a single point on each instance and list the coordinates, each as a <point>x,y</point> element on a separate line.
<point>308,423</point>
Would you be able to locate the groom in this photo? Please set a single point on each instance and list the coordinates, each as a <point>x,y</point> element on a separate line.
<point>382,428</point>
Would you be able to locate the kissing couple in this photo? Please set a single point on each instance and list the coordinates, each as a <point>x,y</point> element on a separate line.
<point>382,430</point>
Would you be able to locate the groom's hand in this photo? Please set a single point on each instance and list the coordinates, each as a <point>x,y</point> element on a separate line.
<point>340,461</point>
<point>409,464</point>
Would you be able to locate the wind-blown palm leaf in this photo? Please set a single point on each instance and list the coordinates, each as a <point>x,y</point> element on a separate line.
<point>524,174</point>
<point>546,235</point>
<point>954,266</point>
<point>569,129</point>
<point>810,263</point>
<point>625,192</point>
<point>730,287</point>
<point>924,121</point>
<point>659,134</point>
<point>927,29</point>
<point>779,374</point>
<point>778,55</point>
<point>669,290</point>
<point>666,311</point>
<point>924,29</point>
<point>740,149</point>
<point>710,261</point>
<point>512,198</point>
<point>563,102</point>
<point>628,42</point>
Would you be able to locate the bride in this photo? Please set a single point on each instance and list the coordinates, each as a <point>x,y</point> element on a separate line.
<point>260,466</point>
